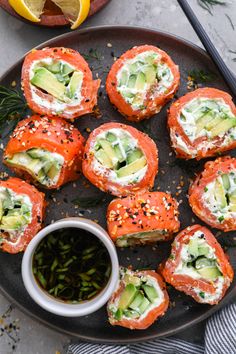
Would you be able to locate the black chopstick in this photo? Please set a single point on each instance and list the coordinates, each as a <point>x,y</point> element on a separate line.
<point>229,78</point>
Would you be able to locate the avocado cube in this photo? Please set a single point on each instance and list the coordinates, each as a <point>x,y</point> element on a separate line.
<point>193,247</point>
<point>150,73</point>
<point>131,81</point>
<point>132,279</point>
<point>12,222</point>
<point>66,69</point>
<point>133,68</point>
<point>52,172</point>
<point>1,210</point>
<point>210,273</point>
<point>118,314</point>
<point>134,155</point>
<point>7,203</point>
<point>103,158</point>
<point>226,182</point>
<point>123,78</point>
<point>111,137</point>
<point>137,301</point>
<point>118,153</point>
<point>20,158</point>
<point>132,167</point>
<point>144,305</point>
<point>203,121</point>
<point>213,123</point>
<point>203,250</point>
<point>219,194</point>
<point>126,143</point>
<point>202,262</point>
<point>35,153</point>
<point>127,296</point>
<point>141,81</point>
<point>107,147</point>
<point>55,67</point>
<point>48,82</point>
<point>223,127</point>
<point>232,200</point>
<point>151,292</point>
<point>75,83</point>
<point>131,314</point>
<point>47,166</point>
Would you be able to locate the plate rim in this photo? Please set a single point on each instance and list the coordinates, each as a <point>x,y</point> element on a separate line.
<point>226,300</point>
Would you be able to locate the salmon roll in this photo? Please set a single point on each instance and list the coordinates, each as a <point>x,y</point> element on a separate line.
<point>21,214</point>
<point>120,159</point>
<point>47,151</point>
<point>202,123</point>
<point>142,81</point>
<point>212,196</point>
<point>140,299</point>
<point>198,266</point>
<point>142,219</point>
<point>58,81</point>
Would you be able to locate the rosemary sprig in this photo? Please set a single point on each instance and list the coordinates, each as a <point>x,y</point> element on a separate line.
<point>207,4</point>
<point>93,54</point>
<point>89,202</point>
<point>12,107</point>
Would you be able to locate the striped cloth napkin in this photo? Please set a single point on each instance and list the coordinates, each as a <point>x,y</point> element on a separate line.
<point>220,338</point>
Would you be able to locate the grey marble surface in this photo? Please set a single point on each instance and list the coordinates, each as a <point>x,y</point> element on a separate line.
<point>16,38</point>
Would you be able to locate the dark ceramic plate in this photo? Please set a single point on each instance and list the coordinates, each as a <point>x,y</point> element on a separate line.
<point>184,311</point>
<point>52,15</point>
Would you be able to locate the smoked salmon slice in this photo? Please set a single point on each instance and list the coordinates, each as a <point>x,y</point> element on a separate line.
<point>140,299</point>
<point>120,159</point>
<point>142,81</point>
<point>58,81</point>
<point>47,151</point>
<point>202,123</point>
<point>142,219</point>
<point>198,266</point>
<point>21,214</point>
<point>212,195</point>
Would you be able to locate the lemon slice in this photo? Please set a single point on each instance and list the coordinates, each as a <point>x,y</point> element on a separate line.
<point>75,11</point>
<point>29,9</point>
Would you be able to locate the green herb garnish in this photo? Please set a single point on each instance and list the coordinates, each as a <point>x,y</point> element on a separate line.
<point>202,294</point>
<point>221,218</point>
<point>12,107</point>
<point>230,21</point>
<point>207,4</point>
<point>201,76</point>
<point>93,54</point>
<point>72,265</point>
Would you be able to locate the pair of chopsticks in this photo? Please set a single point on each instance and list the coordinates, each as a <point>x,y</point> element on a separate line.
<point>229,78</point>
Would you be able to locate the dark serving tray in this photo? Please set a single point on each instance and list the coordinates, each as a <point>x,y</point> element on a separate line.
<point>183,311</point>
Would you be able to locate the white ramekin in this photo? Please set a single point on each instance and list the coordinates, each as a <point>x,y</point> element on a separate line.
<point>56,306</point>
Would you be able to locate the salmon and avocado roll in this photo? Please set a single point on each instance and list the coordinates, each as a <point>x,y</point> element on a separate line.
<point>139,300</point>
<point>21,214</point>
<point>120,159</point>
<point>141,81</point>
<point>142,219</point>
<point>58,81</point>
<point>202,123</point>
<point>198,266</point>
<point>47,151</point>
<point>212,196</point>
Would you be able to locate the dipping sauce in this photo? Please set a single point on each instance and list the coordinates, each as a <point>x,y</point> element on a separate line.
<point>72,265</point>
